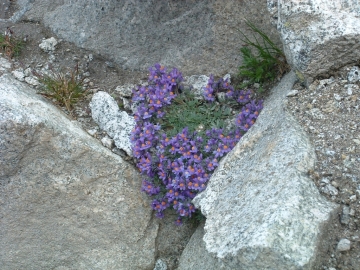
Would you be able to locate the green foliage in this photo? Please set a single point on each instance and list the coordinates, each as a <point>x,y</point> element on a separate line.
<point>10,44</point>
<point>196,114</point>
<point>262,60</point>
<point>66,89</point>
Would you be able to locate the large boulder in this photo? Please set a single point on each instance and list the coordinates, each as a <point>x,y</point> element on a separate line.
<point>319,36</point>
<point>262,209</point>
<point>66,202</point>
<point>198,37</point>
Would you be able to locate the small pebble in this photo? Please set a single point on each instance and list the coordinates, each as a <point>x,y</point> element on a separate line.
<point>160,265</point>
<point>292,93</point>
<point>92,132</point>
<point>107,142</point>
<point>345,215</point>
<point>343,245</point>
<point>338,97</point>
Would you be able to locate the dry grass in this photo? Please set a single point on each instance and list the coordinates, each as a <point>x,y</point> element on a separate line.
<point>10,44</point>
<point>65,88</point>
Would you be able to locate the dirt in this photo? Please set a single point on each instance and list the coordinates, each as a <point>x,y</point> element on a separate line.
<point>332,124</point>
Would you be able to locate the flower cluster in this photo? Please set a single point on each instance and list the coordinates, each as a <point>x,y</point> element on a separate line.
<point>176,168</point>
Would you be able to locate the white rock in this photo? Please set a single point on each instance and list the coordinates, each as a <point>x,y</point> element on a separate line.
<point>107,142</point>
<point>338,97</point>
<point>19,74</point>
<point>160,265</point>
<point>32,81</point>
<point>118,124</point>
<point>292,93</point>
<point>48,45</point>
<point>228,77</point>
<point>28,72</point>
<point>127,104</point>
<point>52,58</point>
<point>92,132</point>
<point>354,74</point>
<point>343,245</point>
<point>4,64</point>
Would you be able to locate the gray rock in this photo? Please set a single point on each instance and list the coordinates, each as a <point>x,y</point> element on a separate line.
<point>318,35</point>
<point>125,90</point>
<point>118,124</point>
<point>262,209</point>
<point>66,202</point>
<point>330,190</point>
<point>343,245</point>
<point>198,37</point>
<point>345,215</point>
<point>197,83</point>
<point>354,75</point>
<point>196,248</point>
<point>48,45</point>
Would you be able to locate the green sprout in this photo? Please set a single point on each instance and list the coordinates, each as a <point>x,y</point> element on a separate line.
<point>262,60</point>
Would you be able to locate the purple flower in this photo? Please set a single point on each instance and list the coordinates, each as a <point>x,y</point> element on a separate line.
<point>178,221</point>
<point>149,188</point>
<point>182,165</point>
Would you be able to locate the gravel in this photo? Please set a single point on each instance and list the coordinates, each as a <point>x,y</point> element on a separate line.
<point>329,111</point>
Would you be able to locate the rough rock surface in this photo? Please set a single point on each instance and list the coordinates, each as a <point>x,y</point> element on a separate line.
<point>318,35</point>
<point>198,37</point>
<point>66,202</point>
<point>262,209</point>
<point>118,124</point>
<point>196,247</point>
